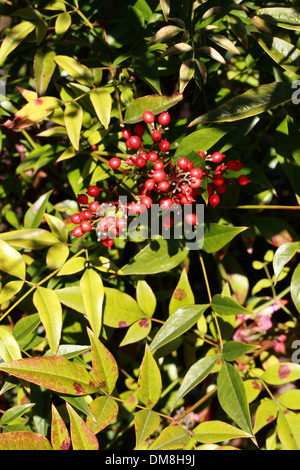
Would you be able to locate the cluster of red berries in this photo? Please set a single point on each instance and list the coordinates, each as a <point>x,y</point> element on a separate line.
<point>159,180</point>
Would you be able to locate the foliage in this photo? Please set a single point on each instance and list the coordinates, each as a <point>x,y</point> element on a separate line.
<point>149,344</point>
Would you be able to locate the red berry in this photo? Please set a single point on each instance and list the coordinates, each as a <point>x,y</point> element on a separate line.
<point>159,165</point>
<point>210,189</point>
<point>152,157</point>
<point>120,223</point>
<point>167,221</point>
<point>196,172</point>
<point>86,226</point>
<point>218,180</point>
<point>156,136</point>
<point>115,162</point>
<point>234,165</point>
<point>159,175</point>
<point>82,199</point>
<point>146,201</point>
<point>243,180</point>
<point>166,203</point>
<point>164,186</point>
<point>164,145</point>
<point>103,225</point>
<point>217,157</point>
<point>202,154</point>
<point>93,191</point>
<point>93,147</point>
<point>221,189</point>
<point>144,155</point>
<point>214,200</point>
<point>139,130</point>
<point>85,215</point>
<point>77,231</point>
<point>164,119</point>
<point>76,219</point>
<point>135,208</point>
<point>140,162</point>
<point>191,219</point>
<point>195,183</point>
<point>149,184</point>
<point>183,163</point>
<point>126,133</point>
<point>108,242</point>
<point>135,142</point>
<point>93,206</point>
<point>148,117</point>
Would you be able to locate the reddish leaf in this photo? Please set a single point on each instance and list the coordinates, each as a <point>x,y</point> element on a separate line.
<point>23,440</point>
<point>60,438</point>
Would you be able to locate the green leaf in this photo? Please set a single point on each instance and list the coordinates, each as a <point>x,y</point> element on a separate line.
<point>35,213</point>
<point>232,397</point>
<point>79,72</point>
<point>290,399</point>
<point>102,103</point>
<point>49,309</point>
<point>57,226</point>
<point>57,255</point>
<point>25,326</point>
<point>92,290</point>
<point>196,373</point>
<point>9,348</point>
<point>71,297</point>
<point>73,117</point>
<point>239,29</point>
<point>11,262</point>
<point>281,373</point>
<point>62,24</point>
<point>56,373</point>
<point>105,368</point>
<point>145,422</point>
<point>224,305</point>
<point>145,298</point>
<point>15,412</point>
<point>266,413</point>
<point>286,55</point>
<point>171,438</point>
<point>288,429</point>
<point>165,33</point>
<point>295,287</point>
<point>255,101</point>
<point>105,411</point>
<point>217,431</point>
<point>170,254</point>
<point>137,331</point>
<point>44,67</point>
<point>216,236</point>
<point>283,255</point>
<point>15,36</point>
<point>182,295</point>
<point>149,381</point>
<point>60,438</point>
<point>72,266</point>
<point>233,350</point>
<point>155,103</point>
<point>177,324</point>
<point>10,289</point>
<point>32,239</point>
<point>202,139</point>
<point>23,440</point>
<point>82,437</point>
<point>284,17</point>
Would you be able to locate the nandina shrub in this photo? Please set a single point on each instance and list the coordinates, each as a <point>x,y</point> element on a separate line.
<point>114,336</point>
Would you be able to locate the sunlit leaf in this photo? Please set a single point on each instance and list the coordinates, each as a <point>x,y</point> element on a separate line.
<point>11,261</point>
<point>82,437</point>
<point>60,438</point>
<point>16,35</point>
<point>49,309</point>
<point>149,381</point>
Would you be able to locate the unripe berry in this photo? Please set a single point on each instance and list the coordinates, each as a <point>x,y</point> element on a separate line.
<point>164,145</point>
<point>217,157</point>
<point>152,157</point>
<point>76,219</point>
<point>86,226</point>
<point>77,231</point>
<point>82,199</point>
<point>139,130</point>
<point>156,136</point>
<point>159,175</point>
<point>183,163</point>
<point>148,117</point>
<point>93,191</point>
<point>164,119</point>
<point>114,163</point>
<point>214,200</point>
<point>243,180</point>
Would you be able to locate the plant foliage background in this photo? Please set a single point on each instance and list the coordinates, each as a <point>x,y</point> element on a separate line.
<point>149,346</point>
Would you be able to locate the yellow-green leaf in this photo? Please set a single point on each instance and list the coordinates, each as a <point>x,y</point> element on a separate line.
<point>82,436</point>
<point>60,438</point>
<point>14,38</point>
<point>49,309</point>
<point>79,72</point>
<point>62,23</point>
<point>171,438</point>
<point>102,103</point>
<point>57,255</point>
<point>11,261</point>
<point>9,348</point>
<point>73,117</point>
<point>44,67</point>
<point>92,290</point>
<point>149,381</point>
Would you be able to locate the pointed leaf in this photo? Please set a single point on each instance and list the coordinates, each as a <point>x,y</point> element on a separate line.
<point>224,305</point>
<point>171,438</point>
<point>105,367</point>
<point>284,17</point>
<point>55,373</point>
<point>251,103</point>
<point>217,431</point>
<point>58,227</point>
<point>102,102</point>
<point>33,112</point>
<point>232,397</point>
<point>195,375</point>
<point>283,255</point>
<point>92,290</point>
<point>145,298</point>
<point>288,429</point>
<point>44,67</point>
<point>9,348</point>
<point>60,438</point>
<point>11,261</point>
<point>15,412</point>
<point>15,36</point>
<point>202,139</point>
<point>224,42</point>
<point>265,414</point>
<point>216,236</point>
<point>177,324</point>
<point>165,33</point>
<point>149,381</point>
<point>23,440</point>
<point>295,287</point>
<point>105,410</point>
<point>71,297</point>
<point>73,117</point>
<point>32,239</point>
<point>62,23</point>
<point>49,309</point>
<point>285,54</point>
<point>290,399</point>
<point>233,350</point>
<point>137,331</point>
<point>120,309</point>
<point>72,266</point>
<point>79,72</point>
<point>146,422</point>
<point>82,437</point>
<point>182,295</point>
<point>10,289</point>
<point>35,213</point>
